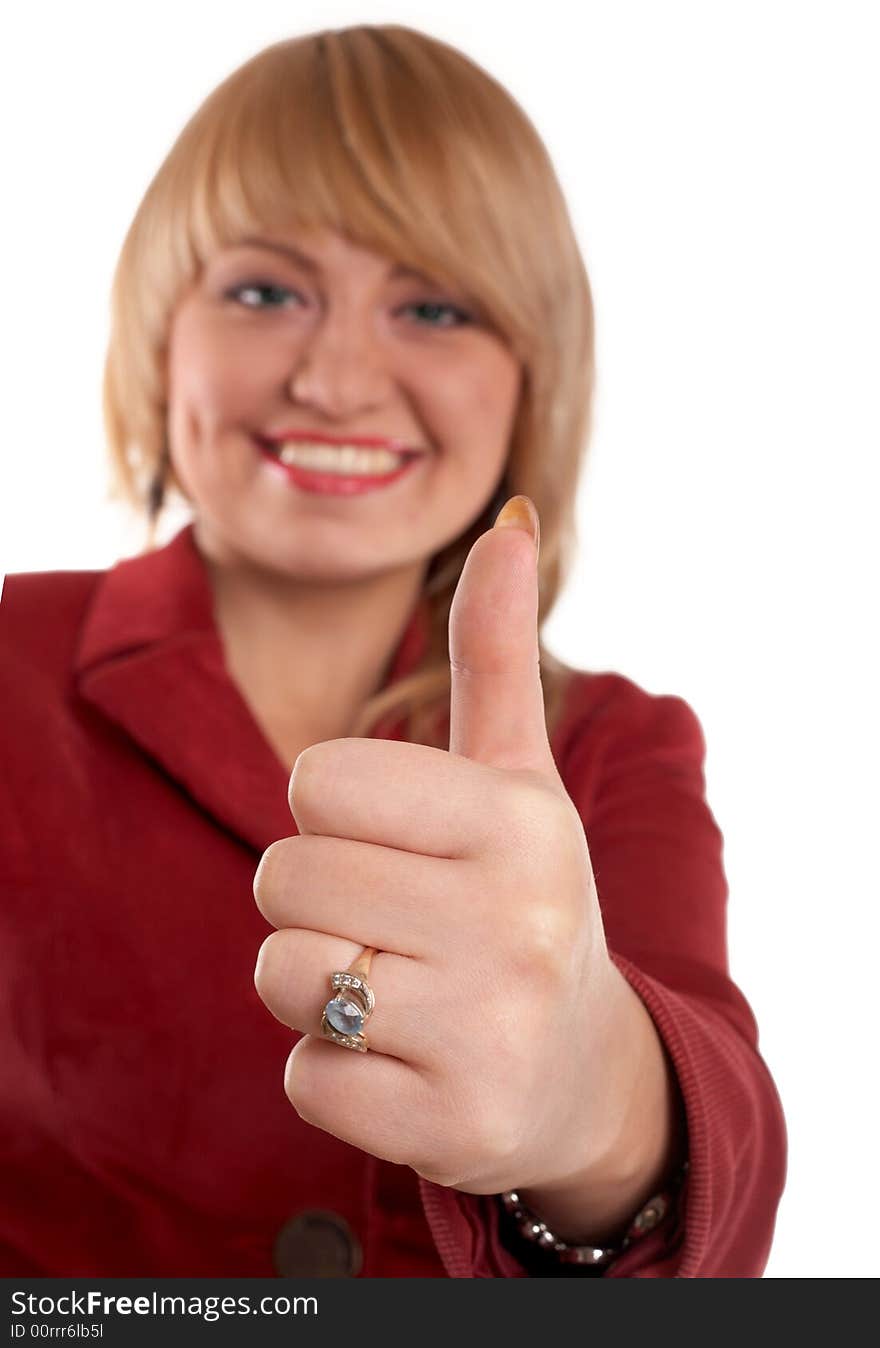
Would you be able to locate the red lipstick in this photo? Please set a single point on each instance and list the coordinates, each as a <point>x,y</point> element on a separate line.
<point>321,482</point>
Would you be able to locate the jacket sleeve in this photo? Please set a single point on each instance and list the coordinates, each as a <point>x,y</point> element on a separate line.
<point>634,767</point>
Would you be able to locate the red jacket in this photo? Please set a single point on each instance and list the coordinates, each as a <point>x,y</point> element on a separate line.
<point>144,1128</point>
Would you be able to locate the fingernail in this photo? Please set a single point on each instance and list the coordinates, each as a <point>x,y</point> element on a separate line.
<point>520,513</point>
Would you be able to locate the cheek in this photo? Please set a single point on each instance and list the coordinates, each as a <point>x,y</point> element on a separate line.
<point>474,400</point>
<point>488,411</point>
<point>212,375</point>
<point>205,404</point>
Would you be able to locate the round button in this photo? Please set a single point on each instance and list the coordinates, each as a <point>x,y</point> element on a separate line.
<point>317,1244</point>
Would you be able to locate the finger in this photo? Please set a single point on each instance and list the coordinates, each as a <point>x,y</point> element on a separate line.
<point>371,894</point>
<point>413,797</point>
<point>376,1103</point>
<point>497,706</point>
<point>292,977</point>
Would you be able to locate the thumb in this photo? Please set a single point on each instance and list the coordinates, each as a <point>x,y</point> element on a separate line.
<point>496,711</point>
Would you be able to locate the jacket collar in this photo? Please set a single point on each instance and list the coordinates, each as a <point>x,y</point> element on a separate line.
<point>151,660</point>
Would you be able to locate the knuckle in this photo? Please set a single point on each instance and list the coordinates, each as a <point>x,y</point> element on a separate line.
<point>530,805</point>
<point>265,879</point>
<point>299,1083</point>
<point>537,824</point>
<point>269,967</point>
<point>540,940</point>
<point>304,1101</point>
<point>302,776</point>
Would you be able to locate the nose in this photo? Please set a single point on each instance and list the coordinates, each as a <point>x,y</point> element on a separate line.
<point>340,370</point>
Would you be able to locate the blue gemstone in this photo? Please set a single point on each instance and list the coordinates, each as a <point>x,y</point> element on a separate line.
<point>345,1016</point>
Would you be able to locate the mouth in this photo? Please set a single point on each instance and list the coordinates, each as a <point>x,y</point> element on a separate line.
<point>344,470</point>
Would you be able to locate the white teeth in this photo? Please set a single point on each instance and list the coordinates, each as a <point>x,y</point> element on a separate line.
<point>344,459</point>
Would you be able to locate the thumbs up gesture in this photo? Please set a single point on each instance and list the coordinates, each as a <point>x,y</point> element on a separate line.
<point>494,1047</point>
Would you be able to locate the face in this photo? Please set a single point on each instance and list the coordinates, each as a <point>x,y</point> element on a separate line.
<point>331,339</point>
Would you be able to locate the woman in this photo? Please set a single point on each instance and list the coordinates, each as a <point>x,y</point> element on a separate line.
<point>350,321</point>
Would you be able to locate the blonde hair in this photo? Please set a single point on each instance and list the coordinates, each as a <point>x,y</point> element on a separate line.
<point>408,147</point>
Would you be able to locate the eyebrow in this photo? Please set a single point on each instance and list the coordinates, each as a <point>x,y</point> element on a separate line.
<point>310,265</point>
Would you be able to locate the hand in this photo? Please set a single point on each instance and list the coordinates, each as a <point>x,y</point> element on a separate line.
<point>491,1047</point>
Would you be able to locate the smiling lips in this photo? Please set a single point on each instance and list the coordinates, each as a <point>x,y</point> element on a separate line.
<point>343,469</point>
<point>342,459</point>
<point>353,455</point>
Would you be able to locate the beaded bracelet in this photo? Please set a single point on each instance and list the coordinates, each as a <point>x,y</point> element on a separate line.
<point>647,1219</point>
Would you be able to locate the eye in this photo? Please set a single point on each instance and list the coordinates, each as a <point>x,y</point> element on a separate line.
<point>257,287</point>
<point>460,316</point>
<point>449,315</point>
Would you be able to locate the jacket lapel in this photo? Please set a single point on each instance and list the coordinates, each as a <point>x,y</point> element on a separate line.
<point>150,659</point>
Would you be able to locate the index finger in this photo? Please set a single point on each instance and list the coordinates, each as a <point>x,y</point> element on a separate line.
<point>410,796</point>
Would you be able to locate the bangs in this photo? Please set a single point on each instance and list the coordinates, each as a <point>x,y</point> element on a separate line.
<point>350,137</point>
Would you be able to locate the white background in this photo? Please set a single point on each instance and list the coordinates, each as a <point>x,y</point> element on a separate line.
<point>720,161</point>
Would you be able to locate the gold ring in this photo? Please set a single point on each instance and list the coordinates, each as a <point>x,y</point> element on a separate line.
<point>351,1005</point>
